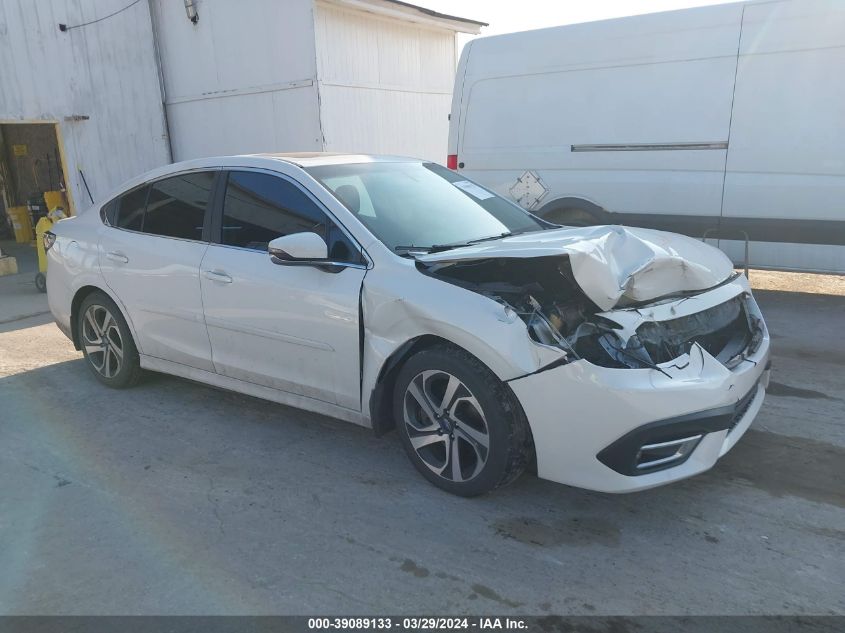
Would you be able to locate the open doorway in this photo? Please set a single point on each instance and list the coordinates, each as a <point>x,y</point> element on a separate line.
<point>32,183</point>
<point>32,171</point>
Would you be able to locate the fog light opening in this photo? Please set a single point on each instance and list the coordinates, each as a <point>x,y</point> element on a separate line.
<point>664,453</point>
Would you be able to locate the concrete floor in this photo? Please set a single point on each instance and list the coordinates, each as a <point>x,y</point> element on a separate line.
<point>25,254</point>
<point>176,498</point>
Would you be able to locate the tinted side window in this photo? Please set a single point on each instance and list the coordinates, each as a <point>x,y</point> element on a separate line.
<point>259,208</point>
<point>176,206</point>
<point>131,209</point>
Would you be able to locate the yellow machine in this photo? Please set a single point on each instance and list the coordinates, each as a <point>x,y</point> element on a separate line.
<point>55,199</point>
<point>21,223</point>
<point>44,225</point>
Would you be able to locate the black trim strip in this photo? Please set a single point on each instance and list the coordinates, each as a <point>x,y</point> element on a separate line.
<point>646,147</point>
<point>829,232</point>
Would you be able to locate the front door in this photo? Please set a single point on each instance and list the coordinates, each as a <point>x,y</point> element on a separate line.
<point>292,328</point>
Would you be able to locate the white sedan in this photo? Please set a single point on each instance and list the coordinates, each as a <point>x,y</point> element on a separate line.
<point>395,294</point>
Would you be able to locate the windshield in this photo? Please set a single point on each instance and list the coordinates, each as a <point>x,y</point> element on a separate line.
<point>422,205</point>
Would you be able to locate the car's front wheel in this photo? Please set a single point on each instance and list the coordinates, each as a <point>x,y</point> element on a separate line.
<point>461,427</point>
<point>106,342</point>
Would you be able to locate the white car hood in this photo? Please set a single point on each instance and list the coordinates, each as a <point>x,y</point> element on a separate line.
<point>612,262</point>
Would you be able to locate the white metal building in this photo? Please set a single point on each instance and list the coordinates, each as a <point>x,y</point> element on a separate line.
<point>129,85</point>
<point>95,89</point>
<point>337,75</point>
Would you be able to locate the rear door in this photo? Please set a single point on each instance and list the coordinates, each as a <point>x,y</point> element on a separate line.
<point>292,328</point>
<point>150,257</point>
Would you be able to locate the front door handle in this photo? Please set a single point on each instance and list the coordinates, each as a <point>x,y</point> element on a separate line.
<point>217,275</point>
<point>117,256</point>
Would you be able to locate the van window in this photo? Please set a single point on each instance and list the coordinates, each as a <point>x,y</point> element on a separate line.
<point>258,208</point>
<point>131,212</point>
<point>176,206</point>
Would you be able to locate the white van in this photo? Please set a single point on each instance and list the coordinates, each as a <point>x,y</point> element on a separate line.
<point>727,120</point>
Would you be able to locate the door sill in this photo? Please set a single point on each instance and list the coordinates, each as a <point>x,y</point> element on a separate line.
<point>251,389</point>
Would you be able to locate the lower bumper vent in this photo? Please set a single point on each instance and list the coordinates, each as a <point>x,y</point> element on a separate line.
<point>669,443</point>
<point>666,453</point>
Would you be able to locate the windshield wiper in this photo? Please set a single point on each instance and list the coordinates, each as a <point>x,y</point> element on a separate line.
<point>437,248</point>
<point>489,238</point>
<point>404,250</point>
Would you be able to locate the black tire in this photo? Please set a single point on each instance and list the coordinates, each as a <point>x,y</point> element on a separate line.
<point>570,217</point>
<point>41,282</point>
<point>103,363</point>
<point>510,446</point>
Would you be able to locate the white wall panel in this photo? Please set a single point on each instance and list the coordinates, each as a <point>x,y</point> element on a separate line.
<point>235,45</point>
<point>241,80</point>
<point>105,71</point>
<point>279,121</point>
<point>385,122</point>
<point>385,84</point>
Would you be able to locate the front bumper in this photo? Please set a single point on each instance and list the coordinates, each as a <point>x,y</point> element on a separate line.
<point>583,417</point>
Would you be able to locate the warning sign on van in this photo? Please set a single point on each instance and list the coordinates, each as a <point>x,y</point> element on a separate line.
<point>19,150</point>
<point>528,190</point>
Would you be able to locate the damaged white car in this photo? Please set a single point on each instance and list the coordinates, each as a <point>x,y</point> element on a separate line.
<point>395,294</point>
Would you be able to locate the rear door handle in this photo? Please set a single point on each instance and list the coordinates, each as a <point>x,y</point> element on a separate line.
<point>217,275</point>
<point>116,256</point>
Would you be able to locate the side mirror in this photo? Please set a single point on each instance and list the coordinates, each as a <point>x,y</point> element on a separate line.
<point>298,248</point>
<point>303,249</point>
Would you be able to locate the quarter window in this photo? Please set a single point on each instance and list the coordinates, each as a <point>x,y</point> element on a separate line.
<point>258,208</point>
<point>109,211</point>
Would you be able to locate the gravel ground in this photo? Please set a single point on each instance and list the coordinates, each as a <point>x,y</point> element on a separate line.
<point>798,282</point>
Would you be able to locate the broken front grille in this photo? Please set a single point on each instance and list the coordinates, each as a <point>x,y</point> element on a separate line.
<point>723,331</point>
<point>742,407</point>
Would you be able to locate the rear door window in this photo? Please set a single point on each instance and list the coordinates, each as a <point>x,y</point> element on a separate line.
<point>130,214</point>
<point>176,206</point>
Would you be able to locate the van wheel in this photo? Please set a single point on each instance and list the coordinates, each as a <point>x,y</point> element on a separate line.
<point>461,427</point>
<point>41,282</point>
<point>106,341</point>
<point>571,217</point>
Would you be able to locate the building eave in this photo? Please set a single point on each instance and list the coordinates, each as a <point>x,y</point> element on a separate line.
<point>410,12</point>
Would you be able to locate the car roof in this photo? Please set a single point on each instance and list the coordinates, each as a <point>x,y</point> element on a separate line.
<point>299,159</point>
<point>311,159</point>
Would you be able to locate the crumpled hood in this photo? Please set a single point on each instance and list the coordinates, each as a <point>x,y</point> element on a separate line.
<point>612,262</point>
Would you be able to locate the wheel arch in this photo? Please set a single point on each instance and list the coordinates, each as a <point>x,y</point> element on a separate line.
<point>590,207</point>
<point>79,296</point>
<point>380,404</point>
<point>380,400</point>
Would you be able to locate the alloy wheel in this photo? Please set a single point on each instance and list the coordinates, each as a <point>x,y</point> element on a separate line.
<point>446,425</point>
<point>102,341</point>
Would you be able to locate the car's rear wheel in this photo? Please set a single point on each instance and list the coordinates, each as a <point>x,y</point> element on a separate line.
<point>461,427</point>
<point>106,342</point>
